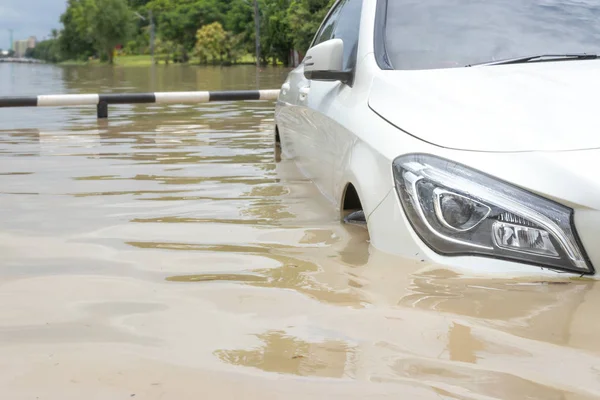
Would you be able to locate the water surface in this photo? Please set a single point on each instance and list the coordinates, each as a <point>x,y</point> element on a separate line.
<point>163,254</point>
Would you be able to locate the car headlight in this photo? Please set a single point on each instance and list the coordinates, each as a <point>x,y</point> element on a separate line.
<point>459,211</point>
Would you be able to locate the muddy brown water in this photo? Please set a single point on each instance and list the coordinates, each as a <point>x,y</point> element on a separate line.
<point>162,254</point>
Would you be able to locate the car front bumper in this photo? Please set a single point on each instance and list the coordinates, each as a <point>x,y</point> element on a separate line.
<point>587,224</point>
<point>565,177</point>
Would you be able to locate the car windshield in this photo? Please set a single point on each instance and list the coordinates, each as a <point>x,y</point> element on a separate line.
<point>426,34</point>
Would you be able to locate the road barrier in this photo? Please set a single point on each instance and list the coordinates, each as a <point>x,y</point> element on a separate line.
<point>102,101</point>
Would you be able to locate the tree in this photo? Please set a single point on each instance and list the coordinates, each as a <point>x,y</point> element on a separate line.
<point>97,26</point>
<point>234,47</point>
<point>136,4</point>
<point>164,50</point>
<point>140,43</point>
<point>110,23</point>
<point>47,50</point>
<point>210,42</point>
<point>276,41</point>
<point>75,41</point>
<point>215,43</point>
<point>304,18</point>
<point>94,25</point>
<point>181,22</point>
<point>239,20</point>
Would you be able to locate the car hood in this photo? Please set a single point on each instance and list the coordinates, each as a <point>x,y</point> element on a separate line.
<point>550,106</point>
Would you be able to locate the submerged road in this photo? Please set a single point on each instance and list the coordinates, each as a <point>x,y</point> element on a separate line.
<point>163,254</point>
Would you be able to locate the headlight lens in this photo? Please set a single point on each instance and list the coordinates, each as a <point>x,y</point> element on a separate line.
<point>459,211</point>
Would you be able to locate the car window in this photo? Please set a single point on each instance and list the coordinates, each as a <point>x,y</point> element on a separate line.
<point>328,26</point>
<point>425,34</point>
<point>343,23</point>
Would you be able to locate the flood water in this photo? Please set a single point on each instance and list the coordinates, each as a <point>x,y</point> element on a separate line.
<point>163,254</point>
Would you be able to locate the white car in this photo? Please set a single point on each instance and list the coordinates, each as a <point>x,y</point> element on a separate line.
<point>465,132</point>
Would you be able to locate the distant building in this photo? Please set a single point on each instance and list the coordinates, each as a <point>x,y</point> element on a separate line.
<point>20,46</point>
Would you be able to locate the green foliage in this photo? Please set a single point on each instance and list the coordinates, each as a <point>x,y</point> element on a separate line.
<point>110,22</point>
<point>212,30</point>
<point>276,38</point>
<point>211,42</point>
<point>239,20</point>
<point>75,41</point>
<point>47,50</point>
<point>181,22</point>
<point>304,18</point>
<point>140,42</point>
<point>164,50</point>
<point>94,25</point>
<point>136,4</point>
<point>214,44</point>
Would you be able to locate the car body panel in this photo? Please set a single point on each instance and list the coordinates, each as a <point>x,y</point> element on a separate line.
<point>495,108</point>
<point>326,147</point>
<point>587,223</point>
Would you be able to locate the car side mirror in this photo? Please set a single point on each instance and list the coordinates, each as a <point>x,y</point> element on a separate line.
<point>324,62</point>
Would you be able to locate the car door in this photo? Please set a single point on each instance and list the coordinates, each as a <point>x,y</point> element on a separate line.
<point>311,124</point>
<point>290,122</point>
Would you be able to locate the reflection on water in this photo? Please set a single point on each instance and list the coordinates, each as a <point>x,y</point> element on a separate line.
<point>163,253</point>
<point>288,355</point>
<point>292,272</point>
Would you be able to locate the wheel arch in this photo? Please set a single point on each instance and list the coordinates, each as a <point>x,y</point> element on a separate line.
<point>277,145</point>
<point>277,137</point>
<point>364,180</point>
<point>350,199</point>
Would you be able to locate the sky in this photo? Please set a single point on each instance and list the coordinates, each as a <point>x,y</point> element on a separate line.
<point>29,18</point>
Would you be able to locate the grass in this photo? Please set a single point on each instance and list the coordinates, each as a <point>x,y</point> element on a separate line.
<point>125,61</point>
<point>77,62</point>
<point>133,61</point>
<point>146,61</point>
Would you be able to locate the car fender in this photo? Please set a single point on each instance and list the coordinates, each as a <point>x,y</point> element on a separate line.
<point>368,171</point>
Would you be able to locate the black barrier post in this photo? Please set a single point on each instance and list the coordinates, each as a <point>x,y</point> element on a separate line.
<point>102,109</point>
